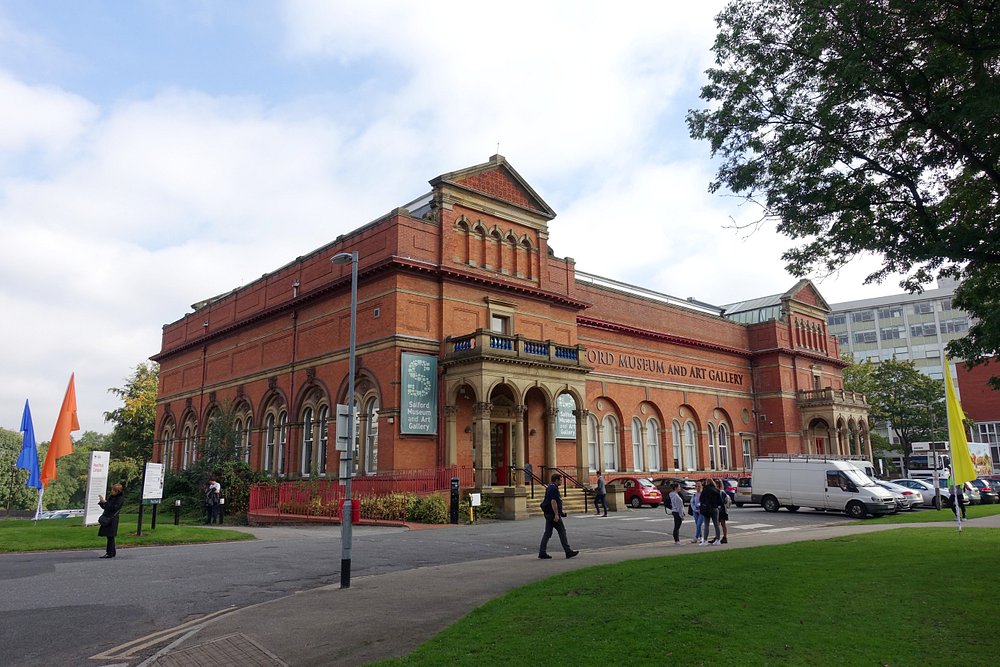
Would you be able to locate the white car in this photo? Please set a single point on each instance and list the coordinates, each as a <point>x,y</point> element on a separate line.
<point>906,499</point>
<point>925,489</point>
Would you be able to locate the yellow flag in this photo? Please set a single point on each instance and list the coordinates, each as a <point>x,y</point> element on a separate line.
<point>961,462</point>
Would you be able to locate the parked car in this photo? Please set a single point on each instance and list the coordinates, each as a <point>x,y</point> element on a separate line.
<point>906,499</point>
<point>987,495</point>
<point>971,493</point>
<point>730,485</point>
<point>686,490</point>
<point>925,489</point>
<point>743,492</point>
<point>639,491</point>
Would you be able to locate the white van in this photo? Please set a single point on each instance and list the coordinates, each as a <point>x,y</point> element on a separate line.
<point>824,483</point>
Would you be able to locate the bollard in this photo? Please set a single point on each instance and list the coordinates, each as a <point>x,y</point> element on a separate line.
<point>177,512</point>
<point>453,513</point>
<point>222,509</point>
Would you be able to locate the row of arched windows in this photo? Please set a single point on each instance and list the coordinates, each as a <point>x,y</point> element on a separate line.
<point>602,441</point>
<point>312,433</point>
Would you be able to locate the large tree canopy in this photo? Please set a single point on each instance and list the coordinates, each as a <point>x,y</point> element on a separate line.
<point>135,420</point>
<point>868,126</point>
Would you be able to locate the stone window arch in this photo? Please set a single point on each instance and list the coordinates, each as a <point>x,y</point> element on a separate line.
<point>653,444</point>
<point>637,445</point>
<point>609,433</point>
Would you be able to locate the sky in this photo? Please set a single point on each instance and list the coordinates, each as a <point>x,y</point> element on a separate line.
<point>157,152</point>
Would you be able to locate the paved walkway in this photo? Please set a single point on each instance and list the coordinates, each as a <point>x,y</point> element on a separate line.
<point>388,615</point>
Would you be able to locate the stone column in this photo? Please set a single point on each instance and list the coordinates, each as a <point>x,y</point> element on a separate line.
<point>481,437</point>
<point>517,444</point>
<point>450,435</point>
<point>582,451</point>
<point>551,416</point>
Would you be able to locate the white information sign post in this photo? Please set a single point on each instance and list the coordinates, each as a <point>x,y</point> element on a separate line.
<point>152,484</point>
<point>97,485</point>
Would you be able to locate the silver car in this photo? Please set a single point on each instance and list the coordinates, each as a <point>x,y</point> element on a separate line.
<point>926,491</point>
<point>906,499</point>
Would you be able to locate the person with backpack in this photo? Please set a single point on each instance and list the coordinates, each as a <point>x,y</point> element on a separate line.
<point>553,510</point>
<point>212,496</point>
<point>711,501</point>
<point>724,511</point>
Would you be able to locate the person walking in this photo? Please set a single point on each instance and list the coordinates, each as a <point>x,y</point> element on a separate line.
<point>695,508</point>
<point>723,511</point>
<point>710,502</point>
<point>553,510</point>
<point>600,495</point>
<point>109,518</point>
<point>677,510</point>
<point>211,501</point>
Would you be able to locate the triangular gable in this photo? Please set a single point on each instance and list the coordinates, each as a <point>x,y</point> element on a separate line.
<point>497,179</point>
<point>805,291</point>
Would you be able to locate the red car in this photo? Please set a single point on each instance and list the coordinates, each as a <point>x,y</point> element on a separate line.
<point>639,491</point>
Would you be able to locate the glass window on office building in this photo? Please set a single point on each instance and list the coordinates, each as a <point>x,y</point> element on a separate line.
<point>842,339</point>
<point>922,330</point>
<point>863,316</point>
<point>837,319</point>
<point>954,326</point>
<point>865,337</point>
<point>923,308</point>
<point>892,333</point>
<point>890,312</point>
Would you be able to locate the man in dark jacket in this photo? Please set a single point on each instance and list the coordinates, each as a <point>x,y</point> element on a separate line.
<point>109,518</point>
<point>553,511</point>
<point>711,501</point>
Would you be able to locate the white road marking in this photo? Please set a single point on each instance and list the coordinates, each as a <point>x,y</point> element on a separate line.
<point>780,530</point>
<point>751,526</point>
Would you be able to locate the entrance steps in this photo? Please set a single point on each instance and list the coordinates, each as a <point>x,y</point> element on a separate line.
<point>573,502</point>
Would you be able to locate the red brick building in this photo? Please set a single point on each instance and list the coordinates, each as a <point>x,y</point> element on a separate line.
<point>477,347</point>
<point>980,401</point>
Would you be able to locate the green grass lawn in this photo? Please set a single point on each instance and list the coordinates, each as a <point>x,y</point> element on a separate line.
<point>933,515</point>
<point>915,596</point>
<point>54,534</point>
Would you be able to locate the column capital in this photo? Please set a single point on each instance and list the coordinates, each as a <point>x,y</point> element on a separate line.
<point>450,411</point>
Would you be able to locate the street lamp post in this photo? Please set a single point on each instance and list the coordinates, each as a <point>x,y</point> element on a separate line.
<point>347,513</point>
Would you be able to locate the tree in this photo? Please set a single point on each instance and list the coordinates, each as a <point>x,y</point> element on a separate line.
<point>868,126</point>
<point>12,489</point>
<point>135,420</point>
<point>902,399</point>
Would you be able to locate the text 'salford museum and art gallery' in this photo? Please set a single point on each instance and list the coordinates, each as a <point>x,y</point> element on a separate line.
<point>478,348</point>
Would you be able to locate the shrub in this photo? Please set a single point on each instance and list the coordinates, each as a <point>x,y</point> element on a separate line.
<point>430,509</point>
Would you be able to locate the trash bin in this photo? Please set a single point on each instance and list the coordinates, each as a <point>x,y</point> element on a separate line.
<point>355,510</point>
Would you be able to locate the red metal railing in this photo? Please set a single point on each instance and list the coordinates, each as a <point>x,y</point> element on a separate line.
<point>321,498</point>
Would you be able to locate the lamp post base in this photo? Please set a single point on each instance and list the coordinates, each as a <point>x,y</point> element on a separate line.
<point>345,572</point>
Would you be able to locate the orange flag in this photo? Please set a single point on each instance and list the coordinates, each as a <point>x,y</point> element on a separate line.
<point>62,443</point>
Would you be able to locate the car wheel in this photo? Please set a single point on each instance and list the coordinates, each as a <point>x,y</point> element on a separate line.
<point>770,504</point>
<point>856,510</point>
<point>792,508</point>
<point>635,502</point>
<point>654,505</point>
<point>739,504</point>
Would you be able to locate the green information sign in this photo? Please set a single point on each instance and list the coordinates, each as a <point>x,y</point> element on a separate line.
<point>419,392</point>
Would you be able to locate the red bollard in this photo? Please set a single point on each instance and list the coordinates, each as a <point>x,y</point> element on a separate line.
<point>355,511</point>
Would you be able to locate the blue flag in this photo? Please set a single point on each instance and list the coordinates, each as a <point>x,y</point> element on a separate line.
<point>28,459</point>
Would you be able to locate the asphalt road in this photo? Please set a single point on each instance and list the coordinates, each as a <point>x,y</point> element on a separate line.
<point>62,608</point>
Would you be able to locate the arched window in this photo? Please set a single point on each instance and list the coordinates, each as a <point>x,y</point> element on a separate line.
<point>723,447</point>
<point>690,446</point>
<point>637,463</point>
<point>371,436</point>
<point>711,448</point>
<point>653,445</point>
<point>167,438</point>
<point>592,446</point>
<point>324,438</point>
<point>676,436</point>
<point>282,442</point>
<point>245,443</point>
<point>610,433</point>
<point>270,440</point>
<point>306,459</point>
<point>190,446</point>
<point>357,438</point>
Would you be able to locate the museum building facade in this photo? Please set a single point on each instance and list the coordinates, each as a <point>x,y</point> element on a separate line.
<point>478,348</point>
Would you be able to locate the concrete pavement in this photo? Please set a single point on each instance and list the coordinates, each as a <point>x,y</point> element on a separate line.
<point>388,615</point>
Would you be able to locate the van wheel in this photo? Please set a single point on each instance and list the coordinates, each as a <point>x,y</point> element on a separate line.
<point>635,502</point>
<point>856,510</point>
<point>792,508</point>
<point>739,504</point>
<point>770,504</point>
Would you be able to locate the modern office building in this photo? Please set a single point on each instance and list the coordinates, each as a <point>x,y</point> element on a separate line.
<point>912,327</point>
<point>478,348</point>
